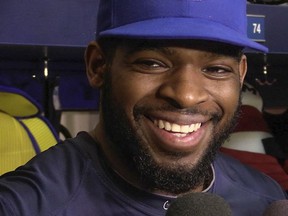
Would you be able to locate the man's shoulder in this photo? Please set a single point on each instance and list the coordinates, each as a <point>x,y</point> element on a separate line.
<point>70,155</point>
<point>51,178</point>
<point>81,146</point>
<point>246,178</point>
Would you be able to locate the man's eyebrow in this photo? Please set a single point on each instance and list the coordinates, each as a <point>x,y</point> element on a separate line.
<point>214,55</point>
<point>139,48</point>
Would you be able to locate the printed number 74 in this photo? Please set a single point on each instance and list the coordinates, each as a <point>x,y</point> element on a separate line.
<point>257,28</point>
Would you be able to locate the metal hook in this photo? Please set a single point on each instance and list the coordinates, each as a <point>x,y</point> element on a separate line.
<point>46,71</point>
<point>266,81</point>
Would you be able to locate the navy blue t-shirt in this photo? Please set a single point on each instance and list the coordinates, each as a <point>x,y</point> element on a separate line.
<point>71,179</point>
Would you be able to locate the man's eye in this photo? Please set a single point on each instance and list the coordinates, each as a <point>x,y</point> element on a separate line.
<point>148,65</point>
<point>217,71</point>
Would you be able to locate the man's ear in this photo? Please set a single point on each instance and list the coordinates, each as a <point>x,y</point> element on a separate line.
<point>243,69</point>
<point>95,64</point>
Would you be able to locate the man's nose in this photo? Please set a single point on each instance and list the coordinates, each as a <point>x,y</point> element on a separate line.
<point>185,88</point>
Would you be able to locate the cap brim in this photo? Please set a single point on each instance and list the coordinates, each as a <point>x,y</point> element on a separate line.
<point>183,28</point>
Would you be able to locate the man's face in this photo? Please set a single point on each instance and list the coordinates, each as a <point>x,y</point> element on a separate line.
<point>167,109</point>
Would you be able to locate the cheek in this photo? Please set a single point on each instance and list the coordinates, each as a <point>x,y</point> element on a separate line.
<point>227,96</point>
<point>129,89</point>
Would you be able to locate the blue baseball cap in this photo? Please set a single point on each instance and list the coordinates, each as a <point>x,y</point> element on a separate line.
<point>215,20</point>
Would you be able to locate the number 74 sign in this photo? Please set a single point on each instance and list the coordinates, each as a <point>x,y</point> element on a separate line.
<point>256,27</point>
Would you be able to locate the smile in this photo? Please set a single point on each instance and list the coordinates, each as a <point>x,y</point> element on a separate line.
<point>173,127</point>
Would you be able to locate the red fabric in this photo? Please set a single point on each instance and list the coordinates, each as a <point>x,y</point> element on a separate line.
<point>262,162</point>
<point>286,166</point>
<point>251,119</point>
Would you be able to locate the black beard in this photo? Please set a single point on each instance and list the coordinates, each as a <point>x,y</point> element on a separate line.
<point>130,147</point>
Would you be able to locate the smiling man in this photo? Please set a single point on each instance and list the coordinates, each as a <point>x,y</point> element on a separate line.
<point>167,107</point>
<point>170,74</point>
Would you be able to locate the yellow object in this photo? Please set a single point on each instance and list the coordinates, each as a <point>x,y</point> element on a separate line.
<point>24,132</point>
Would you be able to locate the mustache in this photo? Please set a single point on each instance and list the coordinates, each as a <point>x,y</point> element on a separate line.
<point>142,110</point>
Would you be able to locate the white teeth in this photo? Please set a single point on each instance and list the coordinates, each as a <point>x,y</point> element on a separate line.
<point>180,134</point>
<point>176,128</point>
<point>167,126</point>
<point>160,124</point>
<point>184,129</point>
